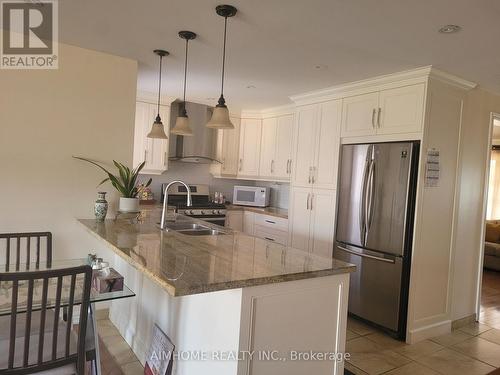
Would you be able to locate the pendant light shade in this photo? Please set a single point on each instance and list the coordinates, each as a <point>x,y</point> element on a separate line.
<point>158,130</point>
<point>220,116</point>
<point>182,122</point>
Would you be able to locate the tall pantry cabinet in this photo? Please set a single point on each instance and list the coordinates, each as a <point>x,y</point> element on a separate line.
<point>314,177</point>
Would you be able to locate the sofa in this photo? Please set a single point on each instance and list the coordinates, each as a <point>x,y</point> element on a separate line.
<point>492,245</point>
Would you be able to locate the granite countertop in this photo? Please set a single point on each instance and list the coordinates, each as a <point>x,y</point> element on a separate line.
<point>185,265</point>
<point>271,211</point>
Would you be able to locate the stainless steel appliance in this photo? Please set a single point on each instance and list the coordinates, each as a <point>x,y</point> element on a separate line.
<point>201,206</point>
<point>255,196</point>
<point>377,190</point>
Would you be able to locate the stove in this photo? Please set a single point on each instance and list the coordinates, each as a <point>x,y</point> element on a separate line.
<point>202,207</point>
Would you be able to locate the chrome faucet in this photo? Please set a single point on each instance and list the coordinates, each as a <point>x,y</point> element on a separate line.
<point>189,202</point>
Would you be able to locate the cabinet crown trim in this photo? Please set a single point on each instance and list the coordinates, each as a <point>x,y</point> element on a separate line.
<point>286,109</point>
<point>375,83</point>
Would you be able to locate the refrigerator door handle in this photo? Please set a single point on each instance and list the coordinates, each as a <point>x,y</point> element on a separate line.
<point>362,206</point>
<point>366,255</point>
<point>371,196</point>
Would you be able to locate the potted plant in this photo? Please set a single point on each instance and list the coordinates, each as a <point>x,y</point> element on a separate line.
<point>125,182</point>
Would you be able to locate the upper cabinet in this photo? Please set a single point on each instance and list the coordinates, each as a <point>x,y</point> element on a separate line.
<point>317,138</point>
<point>276,145</point>
<point>391,111</point>
<point>153,151</point>
<point>249,160</point>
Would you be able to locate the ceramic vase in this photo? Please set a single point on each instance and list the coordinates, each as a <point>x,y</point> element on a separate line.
<point>101,206</point>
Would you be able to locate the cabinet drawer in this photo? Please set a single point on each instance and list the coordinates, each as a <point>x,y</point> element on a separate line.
<point>271,222</point>
<point>273,235</point>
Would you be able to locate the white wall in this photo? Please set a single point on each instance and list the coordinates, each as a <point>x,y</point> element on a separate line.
<point>477,111</point>
<point>86,107</point>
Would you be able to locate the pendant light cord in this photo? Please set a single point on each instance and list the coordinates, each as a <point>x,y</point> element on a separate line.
<point>185,74</point>
<point>159,87</point>
<point>223,57</point>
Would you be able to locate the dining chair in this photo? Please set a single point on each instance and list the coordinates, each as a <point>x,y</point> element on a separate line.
<point>28,247</point>
<point>35,339</point>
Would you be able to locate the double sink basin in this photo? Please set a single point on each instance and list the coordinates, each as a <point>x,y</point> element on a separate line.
<point>192,229</point>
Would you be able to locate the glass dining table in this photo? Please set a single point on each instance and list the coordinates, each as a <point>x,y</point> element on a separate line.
<point>22,292</point>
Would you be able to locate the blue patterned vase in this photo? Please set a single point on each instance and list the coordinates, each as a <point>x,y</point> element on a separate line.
<point>101,206</point>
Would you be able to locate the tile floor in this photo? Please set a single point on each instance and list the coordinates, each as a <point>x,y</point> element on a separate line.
<point>469,350</point>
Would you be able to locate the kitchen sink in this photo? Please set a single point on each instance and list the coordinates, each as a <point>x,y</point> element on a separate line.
<point>178,226</point>
<point>201,232</point>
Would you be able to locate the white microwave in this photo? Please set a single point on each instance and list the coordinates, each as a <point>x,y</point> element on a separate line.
<point>251,196</point>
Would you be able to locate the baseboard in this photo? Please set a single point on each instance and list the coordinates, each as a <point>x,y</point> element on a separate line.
<point>121,322</point>
<point>459,323</point>
<point>429,331</point>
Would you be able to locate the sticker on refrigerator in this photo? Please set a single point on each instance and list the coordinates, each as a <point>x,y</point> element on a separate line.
<point>432,168</point>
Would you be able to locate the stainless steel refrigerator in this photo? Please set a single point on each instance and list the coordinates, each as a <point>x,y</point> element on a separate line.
<point>374,231</point>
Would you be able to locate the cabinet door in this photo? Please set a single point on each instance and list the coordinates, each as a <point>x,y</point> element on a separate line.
<point>249,161</point>
<point>230,149</point>
<point>305,142</point>
<point>322,222</point>
<point>153,151</point>
<point>268,147</point>
<point>402,110</point>
<point>327,149</point>
<point>248,222</point>
<point>234,220</point>
<point>284,133</point>
<point>300,218</point>
<point>359,115</point>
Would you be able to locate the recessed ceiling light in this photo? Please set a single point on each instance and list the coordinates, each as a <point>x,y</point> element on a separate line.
<point>449,29</point>
<point>321,67</point>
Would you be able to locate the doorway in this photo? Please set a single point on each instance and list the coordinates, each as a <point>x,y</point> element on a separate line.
<point>488,303</point>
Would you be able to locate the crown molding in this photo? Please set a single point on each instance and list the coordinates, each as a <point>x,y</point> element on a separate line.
<point>419,75</point>
<point>281,110</point>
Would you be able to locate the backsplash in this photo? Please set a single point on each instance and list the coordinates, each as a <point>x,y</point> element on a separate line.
<point>200,174</point>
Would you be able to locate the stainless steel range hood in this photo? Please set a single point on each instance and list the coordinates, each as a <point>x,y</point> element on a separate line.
<point>201,147</point>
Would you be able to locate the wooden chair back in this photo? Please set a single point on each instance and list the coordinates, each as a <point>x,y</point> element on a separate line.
<point>77,284</point>
<point>29,247</point>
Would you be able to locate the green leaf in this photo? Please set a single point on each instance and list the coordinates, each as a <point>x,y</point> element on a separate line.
<point>103,181</point>
<point>149,182</point>
<point>92,162</point>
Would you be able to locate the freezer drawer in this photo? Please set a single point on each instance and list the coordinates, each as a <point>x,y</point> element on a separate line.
<point>375,286</point>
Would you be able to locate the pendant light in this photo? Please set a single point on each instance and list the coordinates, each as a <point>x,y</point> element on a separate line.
<point>182,122</point>
<point>220,117</point>
<point>158,130</point>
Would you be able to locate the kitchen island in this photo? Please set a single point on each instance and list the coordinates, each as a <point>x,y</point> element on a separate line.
<point>231,303</point>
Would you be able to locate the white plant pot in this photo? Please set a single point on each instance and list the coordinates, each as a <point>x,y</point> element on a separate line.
<point>129,204</point>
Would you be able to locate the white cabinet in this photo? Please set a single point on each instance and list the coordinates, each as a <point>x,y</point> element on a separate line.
<point>312,220</point>
<point>268,147</point>
<point>322,206</point>
<point>359,114</point>
<point>391,111</point>
<point>402,110</point>
<point>248,222</point>
<point>317,138</point>
<point>234,220</point>
<point>276,147</point>
<point>153,151</point>
<point>250,135</point>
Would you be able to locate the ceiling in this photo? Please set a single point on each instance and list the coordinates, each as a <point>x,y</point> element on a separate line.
<point>277,48</point>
